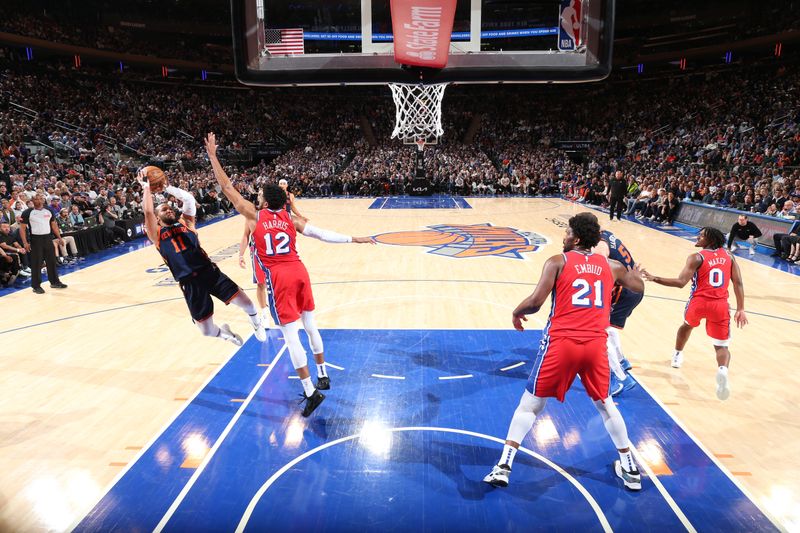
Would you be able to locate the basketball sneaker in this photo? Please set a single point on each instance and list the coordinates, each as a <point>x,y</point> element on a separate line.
<point>498,477</point>
<point>324,383</point>
<point>226,334</point>
<point>677,359</point>
<point>723,387</point>
<point>615,385</point>
<point>625,364</point>
<point>752,251</point>
<point>632,479</point>
<point>734,248</point>
<point>312,402</point>
<point>258,326</point>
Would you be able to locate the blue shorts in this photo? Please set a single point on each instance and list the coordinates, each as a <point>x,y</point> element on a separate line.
<point>623,302</point>
<point>201,286</point>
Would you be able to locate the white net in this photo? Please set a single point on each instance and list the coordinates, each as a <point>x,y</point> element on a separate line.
<point>419,111</point>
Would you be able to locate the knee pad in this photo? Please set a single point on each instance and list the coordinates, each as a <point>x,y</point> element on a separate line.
<point>291,334</point>
<point>314,338</point>
<point>531,403</point>
<point>208,328</point>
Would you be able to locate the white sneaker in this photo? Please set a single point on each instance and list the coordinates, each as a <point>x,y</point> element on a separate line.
<point>723,387</point>
<point>261,333</point>
<point>734,248</point>
<point>752,251</point>
<point>632,480</point>
<point>226,334</point>
<point>677,359</point>
<point>498,477</point>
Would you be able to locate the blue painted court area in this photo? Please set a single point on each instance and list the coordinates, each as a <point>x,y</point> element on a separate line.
<point>414,420</point>
<point>420,202</point>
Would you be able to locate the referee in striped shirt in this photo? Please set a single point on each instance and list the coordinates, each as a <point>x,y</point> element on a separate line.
<point>42,227</point>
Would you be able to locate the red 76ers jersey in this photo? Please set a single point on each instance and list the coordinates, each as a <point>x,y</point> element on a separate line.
<point>275,237</point>
<point>581,297</point>
<point>713,275</point>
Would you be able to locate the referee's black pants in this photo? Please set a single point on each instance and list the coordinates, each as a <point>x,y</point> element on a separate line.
<point>42,250</point>
<point>617,204</point>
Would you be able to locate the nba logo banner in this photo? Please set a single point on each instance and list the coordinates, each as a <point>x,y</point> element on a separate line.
<point>569,25</point>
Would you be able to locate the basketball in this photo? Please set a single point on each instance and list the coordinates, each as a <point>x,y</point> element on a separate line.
<point>156,178</point>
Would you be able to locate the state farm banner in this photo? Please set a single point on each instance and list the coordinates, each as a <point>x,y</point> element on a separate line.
<point>422,30</point>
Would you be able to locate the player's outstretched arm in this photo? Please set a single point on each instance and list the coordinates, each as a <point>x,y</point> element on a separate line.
<point>150,220</point>
<point>630,279</point>
<point>740,317</point>
<point>532,304</point>
<point>243,206</point>
<point>243,244</point>
<point>692,264</point>
<point>324,235</point>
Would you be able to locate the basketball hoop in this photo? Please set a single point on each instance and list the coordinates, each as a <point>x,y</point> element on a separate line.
<point>418,114</point>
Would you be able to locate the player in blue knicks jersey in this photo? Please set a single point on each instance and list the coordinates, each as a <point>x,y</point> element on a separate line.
<point>623,302</point>
<point>199,278</point>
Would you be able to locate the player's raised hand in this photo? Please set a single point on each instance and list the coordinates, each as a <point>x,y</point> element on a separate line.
<point>211,144</point>
<point>740,318</point>
<point>364,240</point>
<point>517,321</point>
<point>141,177</point>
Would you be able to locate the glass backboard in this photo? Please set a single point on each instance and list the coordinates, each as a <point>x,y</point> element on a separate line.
<point>320,42</point>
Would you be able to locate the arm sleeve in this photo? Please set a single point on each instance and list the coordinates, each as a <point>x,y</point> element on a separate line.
<point>186,198</point>
<point>325,235</point>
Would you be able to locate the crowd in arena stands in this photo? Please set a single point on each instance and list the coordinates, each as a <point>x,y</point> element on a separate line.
<point>117,39</point>
<point>77,138</point>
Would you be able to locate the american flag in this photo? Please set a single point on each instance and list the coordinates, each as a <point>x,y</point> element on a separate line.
<point>286,41</point>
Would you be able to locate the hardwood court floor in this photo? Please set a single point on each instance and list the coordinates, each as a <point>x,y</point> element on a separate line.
<point>92,373</point>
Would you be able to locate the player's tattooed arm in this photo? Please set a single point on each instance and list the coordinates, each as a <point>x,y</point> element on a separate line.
<point>630,279</point>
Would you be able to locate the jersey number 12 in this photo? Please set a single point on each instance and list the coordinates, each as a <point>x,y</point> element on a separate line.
<point>282,240</point>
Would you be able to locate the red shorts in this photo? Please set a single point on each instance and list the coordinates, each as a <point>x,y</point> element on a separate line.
<point>560,359</point>
<point>289,290</point>
<point>715,312</point>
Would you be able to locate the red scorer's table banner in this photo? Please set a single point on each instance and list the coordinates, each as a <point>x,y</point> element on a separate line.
<point>422,30</point>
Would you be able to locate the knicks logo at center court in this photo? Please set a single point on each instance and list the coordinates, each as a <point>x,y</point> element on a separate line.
<point>476,240</point>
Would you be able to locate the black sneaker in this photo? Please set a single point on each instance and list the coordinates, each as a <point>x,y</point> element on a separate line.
<point>324,383</point>
<point>58,286</point>
<point>38,290</point>
<point>312,403</point>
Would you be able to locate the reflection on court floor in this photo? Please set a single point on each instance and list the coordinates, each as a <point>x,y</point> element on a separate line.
<point>414,420</point>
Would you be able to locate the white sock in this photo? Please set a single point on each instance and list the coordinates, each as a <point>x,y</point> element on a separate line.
<point>308,387</point>
<point>322,370</point>
<point>255,320</point>
<point>723,370</point>
<point>508,455</point>
<point>626,459</point>
<point>678,352</point>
